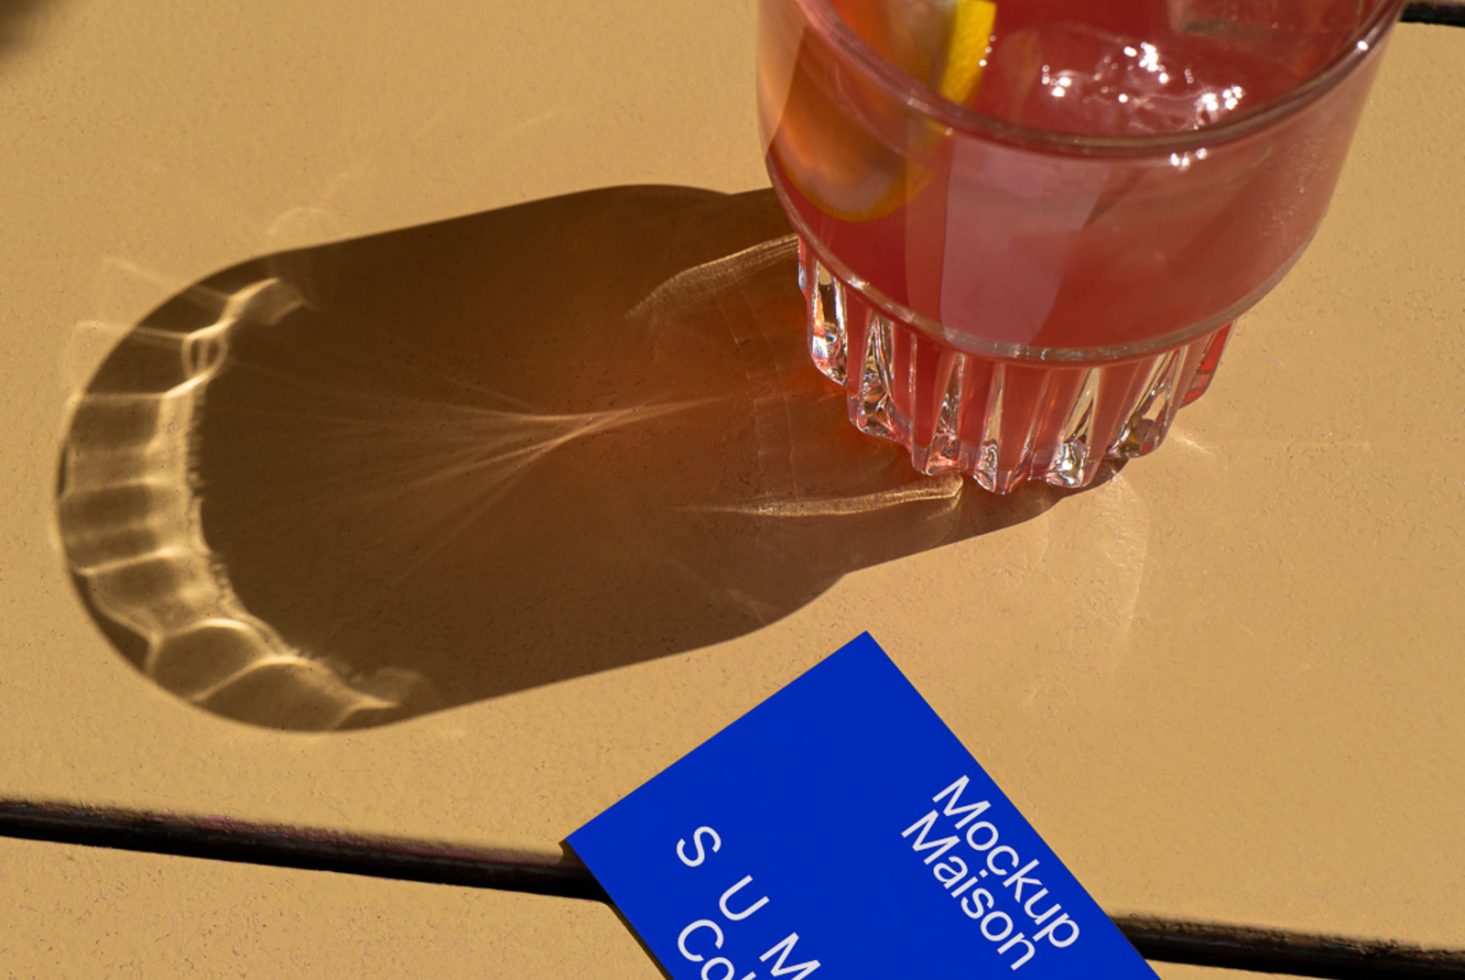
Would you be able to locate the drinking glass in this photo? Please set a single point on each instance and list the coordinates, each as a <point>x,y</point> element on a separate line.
<point>1016,301</point>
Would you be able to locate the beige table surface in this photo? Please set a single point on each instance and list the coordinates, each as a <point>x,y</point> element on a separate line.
<point>1226,684</point>
<point>87,913</point>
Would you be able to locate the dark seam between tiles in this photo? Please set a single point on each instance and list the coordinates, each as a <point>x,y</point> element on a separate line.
<point>1449,14</point>
<point>220,839</point>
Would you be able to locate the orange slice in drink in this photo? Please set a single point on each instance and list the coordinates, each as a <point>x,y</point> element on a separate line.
<point>849,147</point>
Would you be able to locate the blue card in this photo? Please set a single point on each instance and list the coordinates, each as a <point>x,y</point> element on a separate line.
<point>840,830</point>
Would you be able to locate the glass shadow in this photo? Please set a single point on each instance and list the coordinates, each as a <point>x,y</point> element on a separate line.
<point>353,483</point>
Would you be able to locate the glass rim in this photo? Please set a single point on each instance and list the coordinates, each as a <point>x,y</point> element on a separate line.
<point>967,121</point>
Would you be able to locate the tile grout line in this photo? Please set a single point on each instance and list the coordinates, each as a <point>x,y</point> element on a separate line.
<point>1450,13</point>
<point>220,839</point>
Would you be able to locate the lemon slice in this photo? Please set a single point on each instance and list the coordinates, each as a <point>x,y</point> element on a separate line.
<point>966,49</point>
<point>833,158</point>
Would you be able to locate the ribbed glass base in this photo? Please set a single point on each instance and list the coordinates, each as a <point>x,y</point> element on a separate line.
<point>1000,421</point>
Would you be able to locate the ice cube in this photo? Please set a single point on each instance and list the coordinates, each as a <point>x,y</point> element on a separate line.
<point>1079,79</point>
<point>1298,35</point>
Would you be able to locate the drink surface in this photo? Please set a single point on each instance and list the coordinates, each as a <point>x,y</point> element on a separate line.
<point>1110,69</point>
<point>999,244</point>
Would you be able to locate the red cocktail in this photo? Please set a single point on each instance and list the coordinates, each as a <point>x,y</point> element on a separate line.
<point>1027,226</point>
